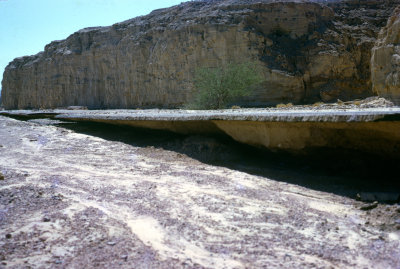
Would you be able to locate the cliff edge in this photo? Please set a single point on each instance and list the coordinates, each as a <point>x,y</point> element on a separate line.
<point>385,61</point>
<point>308,51</point>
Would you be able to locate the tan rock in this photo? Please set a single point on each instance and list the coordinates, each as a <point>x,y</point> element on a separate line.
<point>307,51</point>
<point>385,61</point>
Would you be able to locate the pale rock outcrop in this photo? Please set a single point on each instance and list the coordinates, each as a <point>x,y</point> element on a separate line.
<point>385,61</point>
<point>308,51</point>
<point>367,126</point>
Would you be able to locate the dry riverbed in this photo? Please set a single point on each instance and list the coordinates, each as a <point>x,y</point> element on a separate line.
<point>71,200</point>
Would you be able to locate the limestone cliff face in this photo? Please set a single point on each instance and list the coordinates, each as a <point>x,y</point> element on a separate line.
<point>308,51</point>
<point>385,61</point>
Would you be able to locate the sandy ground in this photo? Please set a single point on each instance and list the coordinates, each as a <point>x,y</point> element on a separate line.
<point>70,200</point>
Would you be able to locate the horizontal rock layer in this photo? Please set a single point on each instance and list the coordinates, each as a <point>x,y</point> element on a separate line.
<point>308,51</point>
<point>373,130</point>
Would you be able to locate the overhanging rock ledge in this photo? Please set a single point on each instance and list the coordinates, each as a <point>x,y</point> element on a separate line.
<point>374,130</point>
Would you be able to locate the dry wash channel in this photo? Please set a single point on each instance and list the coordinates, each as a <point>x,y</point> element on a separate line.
<point>77,195</point>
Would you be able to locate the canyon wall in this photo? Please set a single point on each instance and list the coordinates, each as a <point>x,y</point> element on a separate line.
<point>385,62</point>
<point>308,51</point>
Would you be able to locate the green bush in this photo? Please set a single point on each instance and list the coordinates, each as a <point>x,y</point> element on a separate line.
<point>218,87</point>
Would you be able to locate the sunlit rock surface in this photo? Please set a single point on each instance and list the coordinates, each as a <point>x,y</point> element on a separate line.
<point>373,130</point>
<point>75,200</point>
<point>308,51</point>
<point>385,62</point>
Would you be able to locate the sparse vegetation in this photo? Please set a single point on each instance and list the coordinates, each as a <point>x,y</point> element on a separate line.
<point>284,105</point>
<point>318,104</point>
<point>218,87</point>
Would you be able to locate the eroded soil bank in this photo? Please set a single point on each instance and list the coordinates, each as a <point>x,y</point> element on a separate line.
<point>72,198</point>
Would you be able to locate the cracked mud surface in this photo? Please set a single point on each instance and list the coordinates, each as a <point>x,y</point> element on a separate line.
<point>70,200</point>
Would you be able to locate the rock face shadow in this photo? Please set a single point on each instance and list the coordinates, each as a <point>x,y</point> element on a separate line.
<point>344,172</point>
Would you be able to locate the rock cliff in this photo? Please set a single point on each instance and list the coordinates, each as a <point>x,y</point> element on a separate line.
<point>308,51</point>
<point>385,61</point>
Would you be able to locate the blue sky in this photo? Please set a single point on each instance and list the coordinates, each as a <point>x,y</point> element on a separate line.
<point>26,26</point>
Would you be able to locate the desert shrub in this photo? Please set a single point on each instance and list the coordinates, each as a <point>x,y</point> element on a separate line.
<point>217,87</point>
<point>280,105</point>
<point>318,104</point>
<point>284,105</point>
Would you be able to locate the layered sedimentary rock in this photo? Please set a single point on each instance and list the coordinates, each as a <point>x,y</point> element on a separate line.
<point>371,128</point>
<point>308,51</point>
<point>385,61</point>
